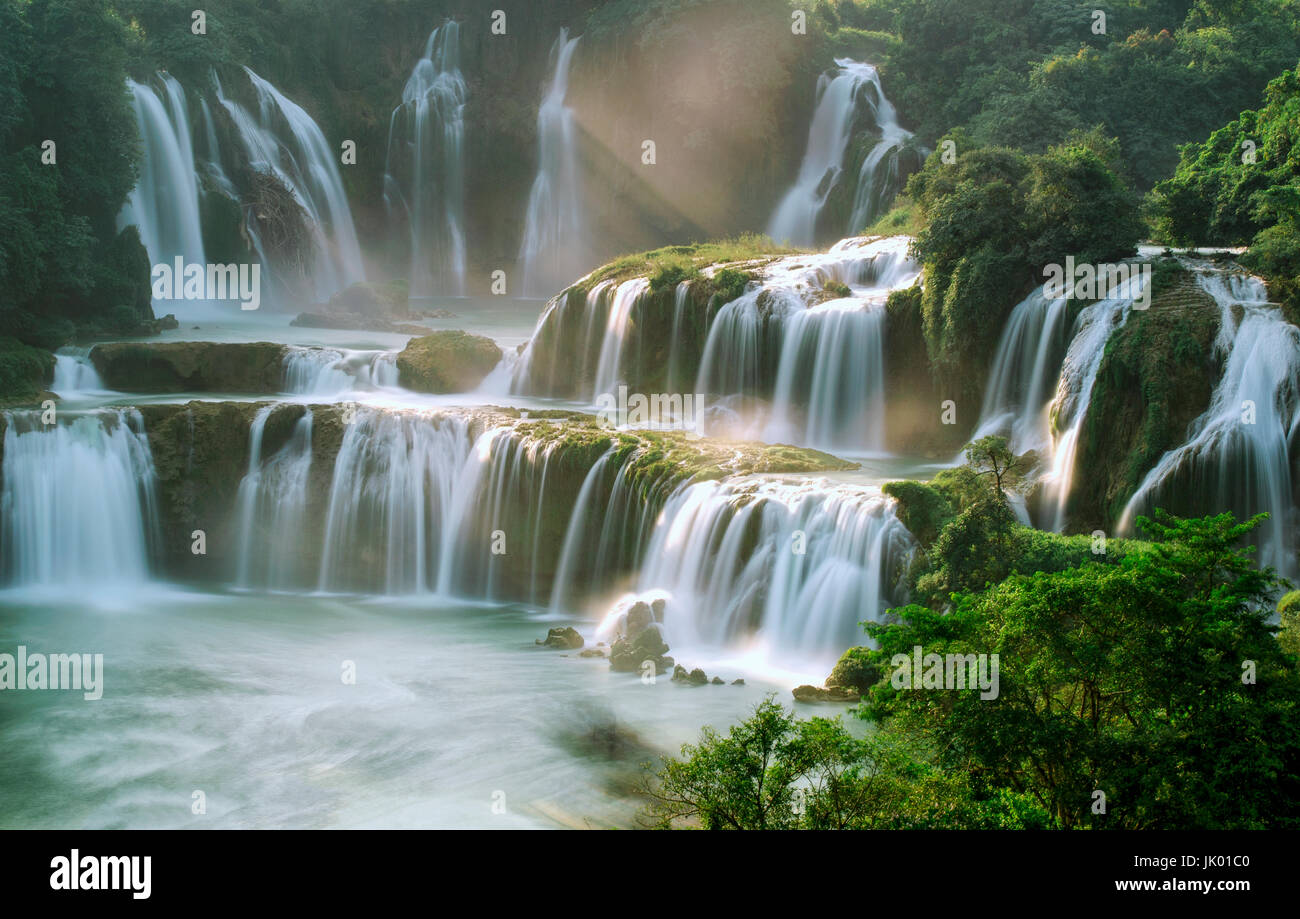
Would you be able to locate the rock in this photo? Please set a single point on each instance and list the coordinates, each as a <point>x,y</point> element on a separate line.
<point>368,298</point>
<point>718,681</point>
<point>854,672</point>
<point>628,654</point>
<point>696,677</point>
<point>658,608</point>
<point>737,682</point>
<point>447,362</point>
<point>592,652</point>
<point>562,638</point>
<point>638,617</point>
<point>191,366</point>
<point>807,693</point>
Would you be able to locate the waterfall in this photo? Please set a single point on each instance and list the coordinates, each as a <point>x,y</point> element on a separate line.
<point>392,502</point>
<point>164,205</point>
<point>336,371</point>
<point>282,140</point>
<point>1236,456</point>
<point>1092,330</point>
<point>74,373</point>
<point>821,359</point>
<point>77,500</point>
<point>424,171</point>
<point>554,236</point>
<point>881,174</point>
<point>1024,373</point>
<point>608,369</point>
<point>794,563</point>
<point>272,504</point>
<point>829,135</point>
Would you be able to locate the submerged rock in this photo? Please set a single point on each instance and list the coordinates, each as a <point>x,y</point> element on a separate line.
<point>447,362</point>
<point>566,637</point>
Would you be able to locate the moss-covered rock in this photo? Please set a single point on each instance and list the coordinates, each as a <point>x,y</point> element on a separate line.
<point>854,671</point>
<point>1156,377</point>
<point>191,366</point>
<point>447,362</point>
<point>1288,610</point>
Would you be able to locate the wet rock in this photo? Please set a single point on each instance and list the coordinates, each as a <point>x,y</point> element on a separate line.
<point>657,607</point>
<point>447,362</point>
<point>696,677</point>
<point>854,672</point>
<point>737,682</point>
<point>592,652</point>
<point>638,617</point>
<point>718,681</point>
<point>627,655</point>
<point>191,366</point>
<point>566,637</point>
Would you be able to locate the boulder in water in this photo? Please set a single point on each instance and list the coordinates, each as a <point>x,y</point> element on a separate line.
<point>629,654</point>
<point>566,637</point>
<point>808,693</point>
<point>696,677</point>
<point>854,672</point>
<point>447,362</point>
<point>638,617</point>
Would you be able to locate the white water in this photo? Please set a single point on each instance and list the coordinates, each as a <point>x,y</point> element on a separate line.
<point>1232,461</point>
<point>164,205</point>
<point>839,99</point>
<point>880,176</point>
<point>74,374</point>
<point>554,243</point>
<point>77,501</point>
<point>272,503</point>
<point>337,371</point>
<point>424,172</point>
<point>284,141</point>
<point>823,361</point>
<point>727,557</point>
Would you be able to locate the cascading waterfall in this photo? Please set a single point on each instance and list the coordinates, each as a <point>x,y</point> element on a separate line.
<point>839,99</point>
<point>424,172</point>
<point>554,236</point>
<point>74,373</point>
<point>284,141</point>
<point>1237,453</point>
<point>77,500</point>
<point>881,174</point>
<point>1092,330</point>
<point>823,362</point>
<point>164,205</point>
<point>1024,373</point>
<point>794,563</point>
<point>272,504</point>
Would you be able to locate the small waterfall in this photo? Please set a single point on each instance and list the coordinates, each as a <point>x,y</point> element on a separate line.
<point>164,204</point>
<point>1093,328</point>
<point>424,171</point>
<point>77,500</point>
<point>1237,453</point>
<point>335,371</point>
<point>554,236</point>
<point>392,504</point>
<point>272,503</point>
<point>881,175</point>
<point>821,360</point>
<point>727,554</point>
<point>1024,373</point>
<point>619,312</point>
<point>74,373</point>
<point>284,141</point>
<point>839,98</point>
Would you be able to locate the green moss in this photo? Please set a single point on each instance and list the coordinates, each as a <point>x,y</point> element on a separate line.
<point>1289,613</point>
<point>24,370</point>
<point>446,362</point>
<point>685,261</point>
<point>921,508</point>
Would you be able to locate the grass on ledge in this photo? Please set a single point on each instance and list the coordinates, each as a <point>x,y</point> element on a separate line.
<point>671,265</point>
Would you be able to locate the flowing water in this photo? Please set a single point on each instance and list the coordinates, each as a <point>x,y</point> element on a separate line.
<point>553,249</point>
<point>424,171</point>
